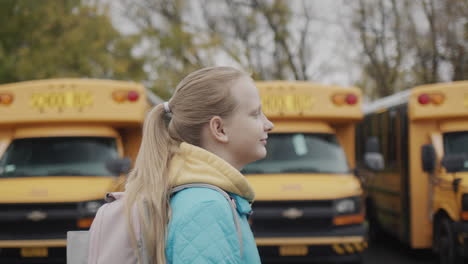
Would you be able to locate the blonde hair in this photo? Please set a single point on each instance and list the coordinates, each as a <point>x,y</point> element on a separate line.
<point>198,97</point>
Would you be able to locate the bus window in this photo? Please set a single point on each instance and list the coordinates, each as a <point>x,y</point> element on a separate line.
<point>456,143</point>
<point>58,156</point>
<point>301,153</point>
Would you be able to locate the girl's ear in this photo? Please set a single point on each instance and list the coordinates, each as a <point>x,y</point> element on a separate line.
<point>217,129</point>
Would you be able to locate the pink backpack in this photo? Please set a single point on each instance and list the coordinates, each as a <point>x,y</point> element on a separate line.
<point>108,240</point>
<point>106,243</point>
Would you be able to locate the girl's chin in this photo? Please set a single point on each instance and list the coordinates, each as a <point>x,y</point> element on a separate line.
<point>258,155</point>
<point>262,153</point>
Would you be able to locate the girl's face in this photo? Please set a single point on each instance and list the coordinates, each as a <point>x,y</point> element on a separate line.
<point>247,128</point>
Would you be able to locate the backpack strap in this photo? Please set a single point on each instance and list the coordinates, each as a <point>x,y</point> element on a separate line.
<point>112,196</point>
<point>230,199</point>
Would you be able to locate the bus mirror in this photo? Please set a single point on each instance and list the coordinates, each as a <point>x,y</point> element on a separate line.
<point>428,157</point>
<point>455,162</point>
<point>374,161</point>
<point>372,145</point>
<point>119,166</point>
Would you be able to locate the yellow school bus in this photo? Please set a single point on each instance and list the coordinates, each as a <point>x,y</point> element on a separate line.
<point>413,147</point>
<point>308,204</point>
<point>62,144</point>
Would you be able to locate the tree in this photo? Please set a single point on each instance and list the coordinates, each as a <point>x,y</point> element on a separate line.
<point>406,43</point>
<point>270,39</point>
<point>258,35</point>
<point>69,38</point>
<point>171,49</point>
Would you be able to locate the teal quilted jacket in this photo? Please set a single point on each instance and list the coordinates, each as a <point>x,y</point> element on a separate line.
<point>202,229</point>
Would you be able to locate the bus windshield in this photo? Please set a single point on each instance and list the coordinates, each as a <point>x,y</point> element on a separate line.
<point>456,143</point>
<point>301,153</point>
<point>58,156</point>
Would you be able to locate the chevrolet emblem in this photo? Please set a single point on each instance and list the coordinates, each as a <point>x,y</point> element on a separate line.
<point>36,216</point>
<point>293,213</point>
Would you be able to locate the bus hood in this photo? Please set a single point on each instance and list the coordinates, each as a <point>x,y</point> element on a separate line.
<point>270,187</point>
<point>54,189</point>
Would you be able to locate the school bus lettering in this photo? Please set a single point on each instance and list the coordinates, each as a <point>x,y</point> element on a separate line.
<point>295,103</point>
<point>72,99</point>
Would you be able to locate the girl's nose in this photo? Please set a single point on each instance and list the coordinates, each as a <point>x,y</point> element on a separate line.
<point>268,125</point>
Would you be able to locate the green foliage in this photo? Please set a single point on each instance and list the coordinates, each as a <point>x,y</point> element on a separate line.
<point>173,49</point>
<point>68,38</point>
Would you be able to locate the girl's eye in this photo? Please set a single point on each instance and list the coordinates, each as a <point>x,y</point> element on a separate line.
<point>257,113</point>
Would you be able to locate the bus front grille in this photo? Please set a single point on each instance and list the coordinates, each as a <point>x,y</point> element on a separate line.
<point>37,221</point>
<point>291,218</point>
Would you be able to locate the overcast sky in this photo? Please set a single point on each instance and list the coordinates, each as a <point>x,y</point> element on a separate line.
<point>334,46</point>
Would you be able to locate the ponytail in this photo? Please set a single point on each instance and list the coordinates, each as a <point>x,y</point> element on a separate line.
<point>147,185</point>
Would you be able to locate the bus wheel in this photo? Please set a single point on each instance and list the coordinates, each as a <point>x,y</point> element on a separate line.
<point>375,231</point>
<point>448,247</point>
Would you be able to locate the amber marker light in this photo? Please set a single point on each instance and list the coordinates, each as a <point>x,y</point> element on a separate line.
<point>119,96</point>
<point>339,99</point>
<point>437,98</point>
<point>464,216</point>
<point>6,99</point>
<point>84,222</point>
<point>348,219</point>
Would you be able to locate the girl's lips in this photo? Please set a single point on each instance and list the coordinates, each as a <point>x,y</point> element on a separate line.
<point>264,141</point>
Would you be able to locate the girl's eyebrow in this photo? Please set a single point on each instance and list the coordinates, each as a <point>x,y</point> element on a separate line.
<point>258,109</point>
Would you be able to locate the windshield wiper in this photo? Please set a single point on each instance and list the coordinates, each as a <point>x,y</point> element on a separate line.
<point>302,170</point>
<point>13,175</point>
<point>65,173</point>
<point>253,171</point>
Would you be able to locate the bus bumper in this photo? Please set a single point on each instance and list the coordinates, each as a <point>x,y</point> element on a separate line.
<point>319,249</point>
<point>33,251</point>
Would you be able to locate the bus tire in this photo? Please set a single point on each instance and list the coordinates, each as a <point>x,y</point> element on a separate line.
<point>375,231</point>
<point>447,246</point>
<point>436,232</point>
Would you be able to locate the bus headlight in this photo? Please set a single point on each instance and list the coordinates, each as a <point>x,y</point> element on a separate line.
<point>348,211</point>
<point>91,207</point>
<point>347,206</point>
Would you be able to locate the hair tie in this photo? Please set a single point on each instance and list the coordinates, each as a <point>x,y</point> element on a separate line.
<point>167,109</point>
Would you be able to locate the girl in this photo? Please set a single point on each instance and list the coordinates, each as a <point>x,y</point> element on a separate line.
<point>211,127</point>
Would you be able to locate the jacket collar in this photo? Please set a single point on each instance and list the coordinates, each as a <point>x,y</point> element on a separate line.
<point>192,164</point>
